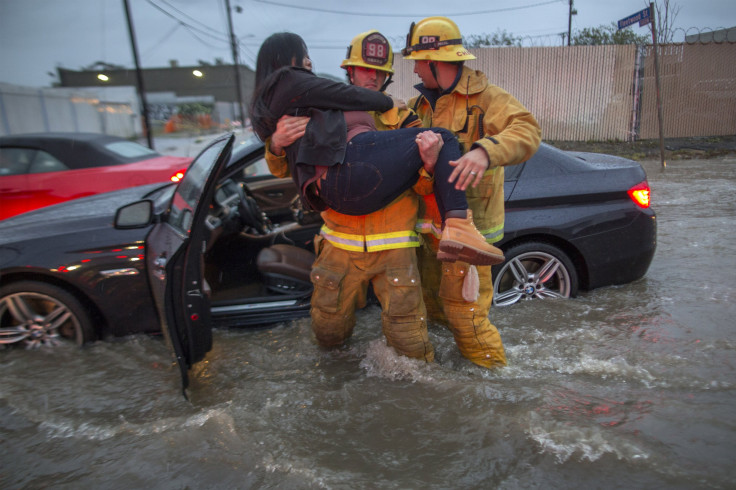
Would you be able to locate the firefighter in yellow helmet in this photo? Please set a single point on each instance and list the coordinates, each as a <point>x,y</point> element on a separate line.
<point>494,130</point>
<point>377,249</point>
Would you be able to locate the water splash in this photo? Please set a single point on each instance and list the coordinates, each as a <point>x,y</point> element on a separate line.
<point>588,443</point>
<point>101,432</point>
<point>384,362</point>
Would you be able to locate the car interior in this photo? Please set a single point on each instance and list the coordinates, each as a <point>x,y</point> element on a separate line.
<point>261,244</point>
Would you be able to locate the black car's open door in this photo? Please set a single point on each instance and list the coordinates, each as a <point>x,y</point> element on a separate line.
<point>174,256</point>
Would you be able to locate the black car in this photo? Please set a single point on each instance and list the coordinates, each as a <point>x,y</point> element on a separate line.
<point>574,221</point>
<point>230,246</point>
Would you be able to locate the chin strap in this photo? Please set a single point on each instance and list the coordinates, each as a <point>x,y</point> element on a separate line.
<point>433,69</point>
<point>388,82</point>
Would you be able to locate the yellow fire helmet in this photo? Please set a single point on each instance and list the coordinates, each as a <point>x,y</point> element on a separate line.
<point>437,39</point>
<point>370,50</point>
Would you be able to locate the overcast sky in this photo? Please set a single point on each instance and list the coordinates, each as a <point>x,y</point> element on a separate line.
<point>36,36</point>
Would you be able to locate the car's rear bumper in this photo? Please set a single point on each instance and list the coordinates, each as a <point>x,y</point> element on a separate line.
<point>622,255</point>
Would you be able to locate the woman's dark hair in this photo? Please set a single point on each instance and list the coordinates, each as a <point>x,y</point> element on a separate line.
<point>277,51</point>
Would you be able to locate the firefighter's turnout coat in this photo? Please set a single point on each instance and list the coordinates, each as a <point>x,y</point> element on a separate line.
<point>480,115</point>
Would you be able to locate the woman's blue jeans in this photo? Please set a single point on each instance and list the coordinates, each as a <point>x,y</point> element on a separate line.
<point>380,165</point>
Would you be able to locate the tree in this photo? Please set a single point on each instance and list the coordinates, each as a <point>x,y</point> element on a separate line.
<point>499,38</point>
<point>666,15</point>
<point>607,34</point>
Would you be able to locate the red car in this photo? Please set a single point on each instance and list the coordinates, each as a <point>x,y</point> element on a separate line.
<point>38,170</point>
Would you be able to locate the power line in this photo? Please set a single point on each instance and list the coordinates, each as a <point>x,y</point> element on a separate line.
<point>190,17</point>
<point>413,14</point>
<point>192,28</point>
<point>160,41</point>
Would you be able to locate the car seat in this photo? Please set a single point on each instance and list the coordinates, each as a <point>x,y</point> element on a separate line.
<point>285,269</point>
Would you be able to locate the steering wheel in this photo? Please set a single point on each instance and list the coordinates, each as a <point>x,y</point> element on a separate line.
<point>249,212</point>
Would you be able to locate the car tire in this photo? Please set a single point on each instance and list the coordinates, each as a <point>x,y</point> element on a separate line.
<point>37,314</point>
<point>533,270</point>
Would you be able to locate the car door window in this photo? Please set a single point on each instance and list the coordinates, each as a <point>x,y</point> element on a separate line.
<point>43,162</point>
<point>15,161</point>
<point>189,191</point>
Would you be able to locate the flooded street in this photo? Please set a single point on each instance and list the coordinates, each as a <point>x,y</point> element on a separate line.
<point>631,386</point>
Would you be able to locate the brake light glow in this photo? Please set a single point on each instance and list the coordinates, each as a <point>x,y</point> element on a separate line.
<point>178,176</point>
<point>640,194</point>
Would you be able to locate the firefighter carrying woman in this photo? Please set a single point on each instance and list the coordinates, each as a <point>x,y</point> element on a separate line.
<point>379,247</point>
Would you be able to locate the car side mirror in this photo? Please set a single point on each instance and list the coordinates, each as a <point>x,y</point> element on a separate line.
<point>135,215</point>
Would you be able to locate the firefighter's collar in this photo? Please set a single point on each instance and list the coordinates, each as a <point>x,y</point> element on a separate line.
<point>433,95</point>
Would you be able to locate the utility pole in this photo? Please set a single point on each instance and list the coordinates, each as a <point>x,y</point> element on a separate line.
<point>236,63</point>
<point>569,22</point>
<point>139,77</point>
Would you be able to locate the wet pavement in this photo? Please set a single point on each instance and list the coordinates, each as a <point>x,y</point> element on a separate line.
<point>623,387</point>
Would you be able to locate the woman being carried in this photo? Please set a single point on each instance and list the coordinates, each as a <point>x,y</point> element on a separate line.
<point>352,168</point>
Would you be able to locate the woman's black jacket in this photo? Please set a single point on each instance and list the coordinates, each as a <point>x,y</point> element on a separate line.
<point>298,92</point>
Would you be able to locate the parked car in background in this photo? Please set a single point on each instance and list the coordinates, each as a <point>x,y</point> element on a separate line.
<point>574,220</point>
<point>38,170</point>
<point>230,246</point>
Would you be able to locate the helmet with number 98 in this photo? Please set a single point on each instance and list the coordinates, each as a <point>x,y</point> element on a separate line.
<point>370,50</point>
<point>436,39</point>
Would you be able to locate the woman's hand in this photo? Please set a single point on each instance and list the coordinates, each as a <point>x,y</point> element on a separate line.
<point>469,169</point>
<point>288,130</point>
<point>430,144</point>
<point>398,102</point>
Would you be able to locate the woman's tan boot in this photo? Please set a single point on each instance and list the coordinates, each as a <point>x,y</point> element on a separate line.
<point>461,240</point>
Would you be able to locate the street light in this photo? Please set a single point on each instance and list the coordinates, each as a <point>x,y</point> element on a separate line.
<point>197,73</point>
<point>102,77</point>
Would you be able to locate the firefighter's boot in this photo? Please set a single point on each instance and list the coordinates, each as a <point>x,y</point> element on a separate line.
<point>461,240</point>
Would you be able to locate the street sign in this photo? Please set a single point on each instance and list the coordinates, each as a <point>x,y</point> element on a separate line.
<point>641,17</point>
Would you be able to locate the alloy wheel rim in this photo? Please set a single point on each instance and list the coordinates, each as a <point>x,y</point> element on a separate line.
<point>36,320</point>
<point>531,275</point>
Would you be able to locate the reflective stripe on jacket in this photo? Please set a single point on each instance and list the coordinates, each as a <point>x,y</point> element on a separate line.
<point>486,116</point>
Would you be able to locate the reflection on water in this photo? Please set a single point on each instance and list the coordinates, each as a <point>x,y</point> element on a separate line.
<point>627,386</point>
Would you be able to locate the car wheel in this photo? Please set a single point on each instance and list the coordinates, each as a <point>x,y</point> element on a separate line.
<point>534,270</point>
<point>36,314</point>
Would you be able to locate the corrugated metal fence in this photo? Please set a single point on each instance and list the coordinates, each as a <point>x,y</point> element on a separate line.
<point>600,93</point>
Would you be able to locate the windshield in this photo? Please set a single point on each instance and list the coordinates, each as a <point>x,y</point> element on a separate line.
<point>130,149</point>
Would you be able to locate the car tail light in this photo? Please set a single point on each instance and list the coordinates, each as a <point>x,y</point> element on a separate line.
<point>178,175</point>
<point>640,194</point>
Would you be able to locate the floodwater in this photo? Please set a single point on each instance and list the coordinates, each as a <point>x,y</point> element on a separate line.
<point>623,387</point>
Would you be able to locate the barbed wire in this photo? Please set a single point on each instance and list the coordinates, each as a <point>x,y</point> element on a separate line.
<point>721,35</point>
